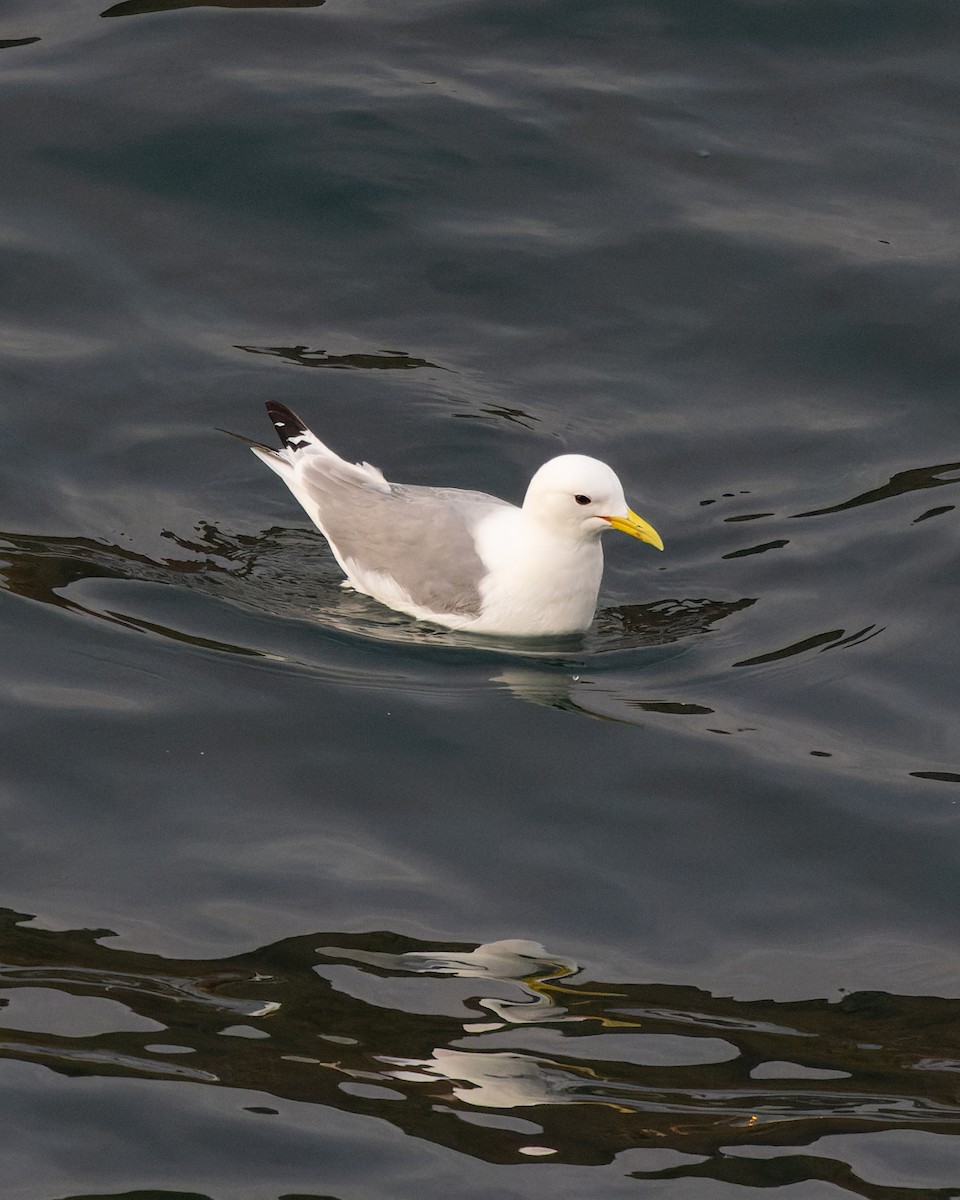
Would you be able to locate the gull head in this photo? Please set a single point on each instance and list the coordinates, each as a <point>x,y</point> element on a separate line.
<point>577,497</point>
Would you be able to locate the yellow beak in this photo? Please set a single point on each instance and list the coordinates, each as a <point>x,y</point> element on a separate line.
<point>637,527</point>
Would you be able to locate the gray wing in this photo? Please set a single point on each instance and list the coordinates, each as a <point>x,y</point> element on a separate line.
<point>421,536</point>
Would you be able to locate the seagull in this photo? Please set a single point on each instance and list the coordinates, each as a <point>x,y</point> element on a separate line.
<point>456,558</point>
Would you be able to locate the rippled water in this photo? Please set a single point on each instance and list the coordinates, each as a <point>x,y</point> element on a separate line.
<point>304,899</point>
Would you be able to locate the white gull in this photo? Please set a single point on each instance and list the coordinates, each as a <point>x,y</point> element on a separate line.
<point>459,558</point>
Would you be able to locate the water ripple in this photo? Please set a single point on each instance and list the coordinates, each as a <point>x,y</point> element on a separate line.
<point>783,1074</point>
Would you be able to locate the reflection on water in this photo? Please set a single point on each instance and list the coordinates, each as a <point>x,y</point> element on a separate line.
<point>776,544</point>
<point>830,639</point>
<point>289,577</point>
<point>133,8</point>
<point>279,596</point>
<point>44,568</point>
<point>904,482</point>
<point>290,573</point>
<point>382,360</point>
<point>388,360</point>
<point>527,963</point>
<point>369,1019</point>
<point>516,416</point>
<point>664,621</point>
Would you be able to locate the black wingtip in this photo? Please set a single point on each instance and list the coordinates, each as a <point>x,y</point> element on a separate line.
<point>293,432</point>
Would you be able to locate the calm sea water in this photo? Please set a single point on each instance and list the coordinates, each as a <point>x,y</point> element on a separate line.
<point>299,898</point>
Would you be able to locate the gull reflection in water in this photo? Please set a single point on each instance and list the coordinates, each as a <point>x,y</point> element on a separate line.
<point>513,960</point>
<point>490,1079</point>
<point>493,1079</point>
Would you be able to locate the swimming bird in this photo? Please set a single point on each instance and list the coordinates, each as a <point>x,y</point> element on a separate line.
<point>458,558</point>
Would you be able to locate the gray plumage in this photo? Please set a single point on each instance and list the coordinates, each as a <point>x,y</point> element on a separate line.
<point>422,537</point>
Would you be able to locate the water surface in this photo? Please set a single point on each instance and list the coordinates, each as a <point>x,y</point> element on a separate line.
<point>302,898</point>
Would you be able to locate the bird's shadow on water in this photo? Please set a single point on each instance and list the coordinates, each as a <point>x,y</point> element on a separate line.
<point>278,595</point>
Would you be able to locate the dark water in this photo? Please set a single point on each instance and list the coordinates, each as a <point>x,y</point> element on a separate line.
<point>303,899</point>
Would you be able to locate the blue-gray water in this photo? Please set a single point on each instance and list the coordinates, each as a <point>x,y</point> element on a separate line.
<point>302,899</point>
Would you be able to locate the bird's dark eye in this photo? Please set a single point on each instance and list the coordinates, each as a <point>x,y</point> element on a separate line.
<point>582,499</point>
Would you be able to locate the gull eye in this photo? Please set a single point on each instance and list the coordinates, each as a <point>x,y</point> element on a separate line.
<point>582,499</point>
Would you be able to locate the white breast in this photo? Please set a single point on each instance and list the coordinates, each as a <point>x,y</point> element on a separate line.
<point>535,583</point>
